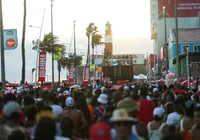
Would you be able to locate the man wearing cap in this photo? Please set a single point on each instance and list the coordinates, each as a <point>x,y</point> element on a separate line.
<point>122,123</point>
<point>157,128</point>
<point>100,131</point>
<point>77,116</point>
<point>11,112</point>
<point>132,107</point>
<point>100,110</point>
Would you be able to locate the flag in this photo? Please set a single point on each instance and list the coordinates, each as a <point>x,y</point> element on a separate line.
<point>92,67</point>
<point>98,68</point>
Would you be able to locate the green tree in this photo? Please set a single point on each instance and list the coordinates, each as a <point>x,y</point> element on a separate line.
<point>23,45</point>
<point>96,40</point>
<point>50,44</point>
<point>90,30</point>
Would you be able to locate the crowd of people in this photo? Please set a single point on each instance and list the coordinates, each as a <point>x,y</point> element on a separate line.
<point>138,111</point>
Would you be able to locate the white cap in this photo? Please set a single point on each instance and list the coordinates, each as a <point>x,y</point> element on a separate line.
<point>126,88</point>
<point>173,118</point>
<point>70,102</point>
<point>159,112</point>
<point>103,99</point>
<point>133,86</point>
<point>66,92</point>
<point>155,90</point>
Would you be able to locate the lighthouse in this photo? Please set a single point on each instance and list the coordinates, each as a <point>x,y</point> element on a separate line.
<point>108,40</point>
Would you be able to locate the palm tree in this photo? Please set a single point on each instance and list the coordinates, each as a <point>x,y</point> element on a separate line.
<point>23,45</point>
<point>96,40</point>
<point>90,30</point>
<point>50,44</point>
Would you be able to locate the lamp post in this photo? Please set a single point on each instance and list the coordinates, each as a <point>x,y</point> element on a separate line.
<point>52,44</point>
<point>166,47</point>
<point>188,71</point>
<point>177,44</point>
<point>154,51</point>
<point>38,44</point>
<point>2,48</point>
<point>74,39</point>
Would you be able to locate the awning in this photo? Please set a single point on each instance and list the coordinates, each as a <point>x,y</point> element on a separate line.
<point>181,56</point>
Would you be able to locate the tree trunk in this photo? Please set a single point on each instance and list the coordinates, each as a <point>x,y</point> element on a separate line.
<point>59,70</point>
<point>88,53</point>
<point>92,54</point>
<point>23,45</point>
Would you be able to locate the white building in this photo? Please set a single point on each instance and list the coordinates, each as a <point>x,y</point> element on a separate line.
<point>188,17</point>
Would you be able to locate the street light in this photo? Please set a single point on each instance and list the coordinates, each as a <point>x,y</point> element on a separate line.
<point>38,45</point>
<point>154,53</point>
<point>52,44</point>
<point>177,43</point>
<point>188,71</point>
<point>166,47</point>
<point>2,49</point>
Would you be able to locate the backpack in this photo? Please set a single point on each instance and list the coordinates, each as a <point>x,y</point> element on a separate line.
<point>155,134</point>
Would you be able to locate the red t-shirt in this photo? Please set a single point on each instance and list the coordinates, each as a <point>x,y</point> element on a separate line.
<point>145,113</point>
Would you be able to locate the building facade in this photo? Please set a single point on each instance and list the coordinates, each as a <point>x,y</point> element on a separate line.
<point>188,17</point>
<point>188,39</point>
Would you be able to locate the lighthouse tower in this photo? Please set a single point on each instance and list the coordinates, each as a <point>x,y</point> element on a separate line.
<point>108,40</point>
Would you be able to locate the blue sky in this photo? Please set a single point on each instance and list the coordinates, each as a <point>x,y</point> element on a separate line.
<point>129,18</point>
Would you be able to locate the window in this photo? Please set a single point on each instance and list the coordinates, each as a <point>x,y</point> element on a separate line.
<point>154,7</point>
<point>117,71</point>
<point>196,48</point>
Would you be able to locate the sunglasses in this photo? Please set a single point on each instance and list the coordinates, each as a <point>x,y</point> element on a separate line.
<point>122,123</point>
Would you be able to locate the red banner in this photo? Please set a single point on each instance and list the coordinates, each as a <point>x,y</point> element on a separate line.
<point>86,72</point>
<point>71,75</point>
<point>162,53</point>
<point>42,67</point>
<point>185,8</point>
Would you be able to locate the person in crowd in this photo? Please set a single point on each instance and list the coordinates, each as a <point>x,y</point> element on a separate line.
<point>145,113</point>
<point>56,109</point>
<point>169,108</point>
<point>66,127</point>
<point>122,124</point>
<point>187,123</point>
<point>100,131</point>
<point>11,112</point>
<point>195,133</point>
<point>172,120</point>
<point>82,106</point>
<point>138,129</point>
<point>30,113</point>
<point>157,128</point>
<point>116,97</point>
<point>67,93</point>
<point>100,110</point>
<point>18,134</point>
<point>172,136</point>
<point>77,117</point>
<point>46,126</point>
<point>27,101</point>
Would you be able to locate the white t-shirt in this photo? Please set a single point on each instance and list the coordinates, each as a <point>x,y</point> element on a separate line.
<point>61,138</point>
<point>56,109</point>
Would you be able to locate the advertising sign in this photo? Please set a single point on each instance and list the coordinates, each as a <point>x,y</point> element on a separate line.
<point>86,73</point>
<point>42,67</point>
<point>185,8</point>
<point>71,74</point>
<point>10,39</point>
<point>162,53</point>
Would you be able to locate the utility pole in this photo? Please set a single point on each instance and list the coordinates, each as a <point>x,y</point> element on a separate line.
<point>166,46</point>
<point>177,44</point>
<point>74,39</point>
<point>2,48</point>
<point>52,44</point>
